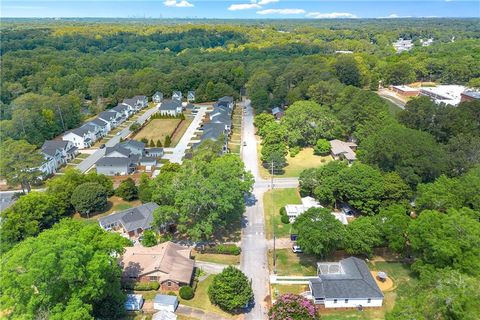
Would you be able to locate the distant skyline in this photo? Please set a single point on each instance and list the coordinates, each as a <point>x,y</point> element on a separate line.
<point>247,9</point>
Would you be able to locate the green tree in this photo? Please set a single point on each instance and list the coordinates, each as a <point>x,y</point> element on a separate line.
<point>151,144</point>
<point>127,190</point>
<point>262,119</point>
<point>88,198</point>
<point>28,216</point>
<point>322,147</point>
<point>230,289</point>
<point>159,144</point>
<point>362,236</point>
<point>149,238</point>
<point>393,223</point>
<point>399,73</point>
<point>347,70</point>
<point>434,238</point>
<point>319,232</point>
<point>145,188</point>
<point>168,141</point>
<point>67,272</point>
<point>19,163</point>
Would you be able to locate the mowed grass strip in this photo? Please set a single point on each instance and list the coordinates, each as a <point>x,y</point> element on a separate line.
<point>157,129</point>
<point>289,263</point>
<point>228,259</point>
<point>272,202</point>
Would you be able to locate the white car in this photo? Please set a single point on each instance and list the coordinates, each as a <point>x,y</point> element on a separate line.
<point>296,249</point>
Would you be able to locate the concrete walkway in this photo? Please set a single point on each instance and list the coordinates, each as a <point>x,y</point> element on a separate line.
<point>176,154</point>
<point>198,314</point>
<point>210,267</point>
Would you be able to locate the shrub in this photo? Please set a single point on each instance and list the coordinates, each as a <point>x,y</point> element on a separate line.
<point>294,151</point>
<point>285,219</point>
<point>171,293</point>
<point>149,238</point>
<point>292,306</point>
<point>134,127</point>
<point>186,292</point>
<point>142,286</point>
<point>283,211</point>
<point>231,249</point>
<point>168,141</point>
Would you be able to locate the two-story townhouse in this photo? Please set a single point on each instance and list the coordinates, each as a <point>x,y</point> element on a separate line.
<point>79,137</point>
<point>157,97</point>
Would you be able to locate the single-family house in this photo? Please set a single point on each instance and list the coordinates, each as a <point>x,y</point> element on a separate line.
<point>226,101</point>
<point>131,222</point>
<point>134,146</point>
<point>112,117</point>
<point>343,150</point>
<point>79,137</point>
<point>191,96</point>
<point>278,112</point>
<point>103,127</point>
<point>294,210</point>
<point>170,108</point>
<point>157,97</point>
<point>149,163</point>
<point>117,151</point>
<point>134,302</point>
<point>52,160</point>
<point>113,166</point>
<point>402,45</point>
<point>165,302</point>
<point>97,132</point>
<point>345,284</point>
<point>167,263</point>
<point>141,101</point>
<point>67,149</point>
<point>177,95</point>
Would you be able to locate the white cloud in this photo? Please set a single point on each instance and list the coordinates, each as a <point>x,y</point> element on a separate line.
<point>331,15</point>
<point>394,16</point>
<point>243,6</point>
<point>281,11</point>
<point>265,2</point>
<point>178,3</point>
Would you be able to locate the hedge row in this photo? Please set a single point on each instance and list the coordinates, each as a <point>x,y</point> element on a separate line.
<point>230,249</point>
<point>142,286</point>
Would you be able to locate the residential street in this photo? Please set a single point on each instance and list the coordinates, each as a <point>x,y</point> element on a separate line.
<point>95,156</point>
<point>254,244</point>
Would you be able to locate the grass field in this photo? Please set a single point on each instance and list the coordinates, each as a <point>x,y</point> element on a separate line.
<point>272,204</point>
<point>279,289</point>
<point>201,300</point>
<point>305,159</point>
<point>216,258</point>
<point>181,131</point>
<point>157,129</point>
<point>289,263</point>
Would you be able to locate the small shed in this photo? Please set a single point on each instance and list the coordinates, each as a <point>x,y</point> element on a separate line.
<point>134,302</point>
<point>165,302</point>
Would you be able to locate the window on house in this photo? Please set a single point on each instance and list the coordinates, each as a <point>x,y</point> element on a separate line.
<point>346,300</point>
<point>369,300</point>
<point>169,283</point>
<point>334,300</point>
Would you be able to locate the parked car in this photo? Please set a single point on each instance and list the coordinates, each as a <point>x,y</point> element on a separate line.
<point>102,146</point>
<point>296,249</point>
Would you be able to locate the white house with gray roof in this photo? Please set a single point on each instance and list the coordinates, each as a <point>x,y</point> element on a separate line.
<point>157,97</point>
<point>80,137</point>
<point>345,284</point>
<point>170,108</point>
<point>131,222</point>
<point>177,95</point>
<point>191,96</point>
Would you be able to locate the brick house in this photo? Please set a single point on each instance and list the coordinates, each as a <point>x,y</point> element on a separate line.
<point>168,263</point>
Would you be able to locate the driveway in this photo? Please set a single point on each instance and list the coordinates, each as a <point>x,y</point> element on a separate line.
<point>198,314</point>
<point>176,154</point>
<point>209,267</point>
<point>96,155</point>
<point>392,97</point>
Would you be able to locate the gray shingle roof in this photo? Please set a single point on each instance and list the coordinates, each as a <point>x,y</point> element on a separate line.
<point>113,162</point>
<point>54,144</point>
<point>133,218</point>
<point>117,148</point>
<point>472,94</point>
<point>120,108</point>
<point>99,122</point>
<point>131,102</point>
<point>107,115</point>
<point>133,144</point>
<point>276,110</point>
<point>170,105</point>
<point>355,281</point>
<point>80,131</point>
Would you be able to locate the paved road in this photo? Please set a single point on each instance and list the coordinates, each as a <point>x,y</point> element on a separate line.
<point>254,244</point>
<point>178,152</point>
<point>95,156</point>
<point>390,96</point>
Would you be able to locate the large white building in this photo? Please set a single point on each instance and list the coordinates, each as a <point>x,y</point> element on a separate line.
<point>448,94</point>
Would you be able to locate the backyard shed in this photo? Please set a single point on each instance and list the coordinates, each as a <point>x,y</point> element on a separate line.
<point>165,302</point>
<point>134,302</point>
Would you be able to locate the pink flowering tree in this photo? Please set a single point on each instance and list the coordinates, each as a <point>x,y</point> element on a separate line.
<point>292,307</point>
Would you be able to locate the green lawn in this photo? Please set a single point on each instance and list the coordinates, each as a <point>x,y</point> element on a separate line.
<point>201,300</point>
<point>216,258</point>
<point>289,263</point>
<point>272,203</point>
<point>279,289</point>
<point>305,159</point>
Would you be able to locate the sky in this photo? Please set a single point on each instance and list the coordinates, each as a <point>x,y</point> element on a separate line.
<point>240,9</point>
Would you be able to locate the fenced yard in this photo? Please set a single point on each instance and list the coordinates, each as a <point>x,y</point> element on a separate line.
<point>158,129</point>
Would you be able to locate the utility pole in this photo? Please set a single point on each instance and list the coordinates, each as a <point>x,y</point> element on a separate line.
<point>273,223</point>
<point>61,118</point>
